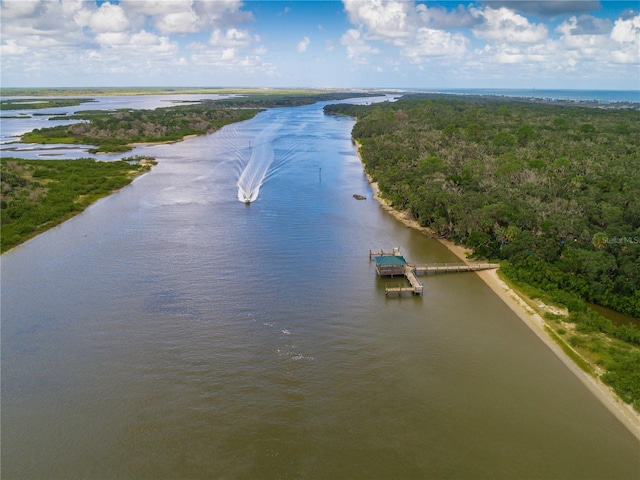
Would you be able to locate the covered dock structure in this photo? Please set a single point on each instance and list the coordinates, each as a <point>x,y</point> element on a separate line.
<point>392,264</point>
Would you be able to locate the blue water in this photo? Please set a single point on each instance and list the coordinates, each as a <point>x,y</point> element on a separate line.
<point>601,96</point>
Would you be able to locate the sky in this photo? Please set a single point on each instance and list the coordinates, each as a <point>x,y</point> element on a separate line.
<point>550,44</point>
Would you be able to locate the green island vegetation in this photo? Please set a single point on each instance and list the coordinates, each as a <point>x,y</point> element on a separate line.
<point>30,104</point>
<point>287,98</point>
<point>40,194</point>
<point>117,131</point>
<point>551,191</point>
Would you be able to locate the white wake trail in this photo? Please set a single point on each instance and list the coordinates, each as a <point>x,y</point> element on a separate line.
<point>255,172</point>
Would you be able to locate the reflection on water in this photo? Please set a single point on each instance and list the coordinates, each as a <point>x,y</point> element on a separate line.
<point>170,332</point>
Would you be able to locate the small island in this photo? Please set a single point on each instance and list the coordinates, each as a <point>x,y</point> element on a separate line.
<point>40,103</point>
<point>121,130</point>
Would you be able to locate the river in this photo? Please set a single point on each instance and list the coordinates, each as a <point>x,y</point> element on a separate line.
<point>171,331</point>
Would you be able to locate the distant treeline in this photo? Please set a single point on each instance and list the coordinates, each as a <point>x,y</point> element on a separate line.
<point>117,131</point>
<point>285,99</point>
<point>98,91</point>
<point>40,194</point>
<point>30,104</point>
<point>555,190</point>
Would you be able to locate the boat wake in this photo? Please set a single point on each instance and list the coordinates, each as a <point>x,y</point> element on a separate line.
<point>254,173</point>
<point>261,157</point>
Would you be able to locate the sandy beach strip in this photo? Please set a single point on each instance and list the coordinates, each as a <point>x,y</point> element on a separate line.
<point>624,412</point>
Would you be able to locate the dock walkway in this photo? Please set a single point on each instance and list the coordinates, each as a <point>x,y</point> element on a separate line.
<point>390,264</point>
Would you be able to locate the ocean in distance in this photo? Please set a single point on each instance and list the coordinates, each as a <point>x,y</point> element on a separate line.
<point>600,96</point>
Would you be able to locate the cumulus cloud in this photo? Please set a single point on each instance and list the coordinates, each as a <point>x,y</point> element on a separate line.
<point>626,34</point>
<point>430,42</point>
<point>18,9</point>
<point>574,37</point>
<point>380,19</point>
<point>416,30</point>
<point>303,44</point>
<point>110,37</point>
<point>12,48</point>
<point>589,25</point>
<point>504,25</point>
<point>108,18</point>
<point>592,39</point>
<point>41,24</point>
<point>186,16</point>
<point>626,30</point>
<point>231,38</point>
<point>546,7</point>
<point>357,48</point>
<point>441,18</point>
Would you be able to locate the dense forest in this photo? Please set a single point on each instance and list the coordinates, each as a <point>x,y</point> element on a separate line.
<point>40,194</point>
<point>277,98</point>
<point>117,131</point>
<point>552,189</point>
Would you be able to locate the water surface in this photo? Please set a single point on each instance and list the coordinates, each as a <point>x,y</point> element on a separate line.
<point>170,331</point>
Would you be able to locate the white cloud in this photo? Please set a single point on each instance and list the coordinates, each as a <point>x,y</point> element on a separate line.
<point>380,19</point>
<point>418,32</point>
<point>149,39</point>
<point>357,48</point>
<point>503,25</point>
<point>18,8</point>
<point>626,34</point>
<point>303,45</point>
<point>518,54</point>
<point>585,25</point>
<point>179,22</point>
<point>11,48</point>
<point>144,38</point>
<point>580,45</point>
<point>430,42</point>
<point>546,7</point>
<point>108,18</point>
<point>233,37</point>
<point>186,16</point>
<point>40,24</point>
<point>617,44</point>
<point>112,38</point>
<point>626,30</point>
<point>441,18</point>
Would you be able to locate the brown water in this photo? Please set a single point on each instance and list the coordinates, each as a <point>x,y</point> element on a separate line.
<point>173,332</point>
<point>616,317</point>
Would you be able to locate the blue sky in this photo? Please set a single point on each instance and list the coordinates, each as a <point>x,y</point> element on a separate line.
<point>347,44</point>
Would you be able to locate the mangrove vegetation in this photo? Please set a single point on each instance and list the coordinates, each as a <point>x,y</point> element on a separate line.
<point>118,131</point>
<point>30,103</point>
<point>553,192</point>
<point>40,194</point>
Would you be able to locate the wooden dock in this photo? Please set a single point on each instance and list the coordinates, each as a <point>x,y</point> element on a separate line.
<point>390,264</point>
<point>453,267</point>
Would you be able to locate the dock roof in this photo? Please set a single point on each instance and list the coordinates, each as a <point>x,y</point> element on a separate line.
<point>390,260</point>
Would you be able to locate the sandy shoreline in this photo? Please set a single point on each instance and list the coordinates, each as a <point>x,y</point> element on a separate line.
<point>532,319</point>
